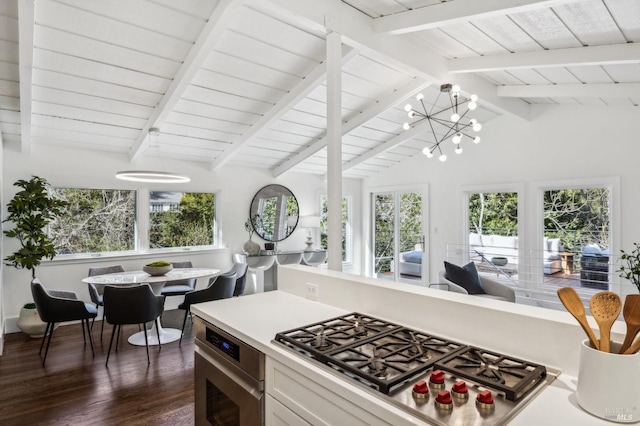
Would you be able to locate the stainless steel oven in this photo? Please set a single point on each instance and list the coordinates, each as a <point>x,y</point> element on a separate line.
<point>229,379</point>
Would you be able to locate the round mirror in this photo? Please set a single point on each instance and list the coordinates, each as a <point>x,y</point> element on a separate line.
<point>274,213</point>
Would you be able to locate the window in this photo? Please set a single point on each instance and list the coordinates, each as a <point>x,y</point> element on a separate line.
<point>95,221</point>
<point>181,219</point>
<point>346,227</point>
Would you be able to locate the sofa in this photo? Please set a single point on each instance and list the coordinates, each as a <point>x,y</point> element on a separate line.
<point>410,262</point>
<point>484,247</point>
<point>493,288</point>
<point>594,267</point>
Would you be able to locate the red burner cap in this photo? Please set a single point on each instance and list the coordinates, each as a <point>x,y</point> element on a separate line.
<point>444,397</point>
<point>421,387</point>
<point>485,397</point>
<point>460,387</point>
<point>437,376</point>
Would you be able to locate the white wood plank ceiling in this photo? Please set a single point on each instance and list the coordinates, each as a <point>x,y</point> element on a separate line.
<point>243,82</point>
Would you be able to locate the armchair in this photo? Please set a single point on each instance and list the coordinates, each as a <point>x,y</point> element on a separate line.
<point>55,306</point>
<point>493,288</point>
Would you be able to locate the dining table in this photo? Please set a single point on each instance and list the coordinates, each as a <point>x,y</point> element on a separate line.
<point>157,282</point>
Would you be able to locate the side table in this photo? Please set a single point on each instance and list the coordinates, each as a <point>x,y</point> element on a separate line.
<point>567,262</point>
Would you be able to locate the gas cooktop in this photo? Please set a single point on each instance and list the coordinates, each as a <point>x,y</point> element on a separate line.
<point>436,379</point>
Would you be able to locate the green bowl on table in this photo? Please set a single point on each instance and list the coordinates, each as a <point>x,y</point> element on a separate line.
<point>499,261</point>
<point>160,267</point>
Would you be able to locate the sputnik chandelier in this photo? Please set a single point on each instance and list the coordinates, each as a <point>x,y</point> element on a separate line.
<point>454,127</point>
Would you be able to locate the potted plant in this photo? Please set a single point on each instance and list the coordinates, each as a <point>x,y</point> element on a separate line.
<point>630,268</point>
<point>31,210</point>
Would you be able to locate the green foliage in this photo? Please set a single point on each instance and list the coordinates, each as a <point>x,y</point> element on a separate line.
<point>630,268</point>
<point>158,263</point>
<point>495,213</point>
<point>31,210</point>
<point>190,225</point>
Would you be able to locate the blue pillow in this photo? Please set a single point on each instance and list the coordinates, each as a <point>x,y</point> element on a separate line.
<point>465,276</point>
<point>412,256</point>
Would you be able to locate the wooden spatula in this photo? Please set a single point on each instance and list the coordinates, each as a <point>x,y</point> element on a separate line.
<point>635,347</point>
<point>571,300</point>
<point>631,313</point>
<point>605,307</point>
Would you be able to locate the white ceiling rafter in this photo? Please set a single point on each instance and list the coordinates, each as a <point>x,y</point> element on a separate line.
<point>455,12</point>
<point>357,30</point>
<point>616,54</point>
<point>384,104</point>
<point>217,23</point>
<point>604,90</point>
<point>26,13</point>
<point>416,130</point>
<point>306,86</point>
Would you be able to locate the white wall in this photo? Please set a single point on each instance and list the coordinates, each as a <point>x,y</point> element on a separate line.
<point>235,187</point>
<point>561,143</point>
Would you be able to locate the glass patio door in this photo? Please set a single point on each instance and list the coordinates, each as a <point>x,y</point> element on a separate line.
<point>399,242</point>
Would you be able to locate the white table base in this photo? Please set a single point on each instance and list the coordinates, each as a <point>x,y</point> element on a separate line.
<point>166,335</point>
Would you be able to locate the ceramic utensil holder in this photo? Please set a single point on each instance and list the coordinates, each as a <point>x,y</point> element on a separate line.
<point>609,384</point>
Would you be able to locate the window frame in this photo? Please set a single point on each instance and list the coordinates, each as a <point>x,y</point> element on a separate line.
<point>348,254</point>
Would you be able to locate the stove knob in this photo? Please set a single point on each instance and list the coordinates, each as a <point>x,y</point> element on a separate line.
<point>459,390</point>
<point>421,390</point>
<point>437,379</point>
<point>444,401</point>
<point>484,400</point>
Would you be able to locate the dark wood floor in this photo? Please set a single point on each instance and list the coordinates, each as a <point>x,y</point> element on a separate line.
<point>75,388</point>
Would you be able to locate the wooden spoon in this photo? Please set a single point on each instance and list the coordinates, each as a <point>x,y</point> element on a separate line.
<point>631,313</point>
<point>635,347</point>
<point>605,307</point>
<point>571,300</point>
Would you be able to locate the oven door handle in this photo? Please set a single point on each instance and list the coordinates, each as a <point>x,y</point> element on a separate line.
<point>254,390</point>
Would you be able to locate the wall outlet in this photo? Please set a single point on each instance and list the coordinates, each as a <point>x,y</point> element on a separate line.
<point>311,291</point>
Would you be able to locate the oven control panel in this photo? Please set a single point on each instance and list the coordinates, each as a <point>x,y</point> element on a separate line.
<point>225,345</point>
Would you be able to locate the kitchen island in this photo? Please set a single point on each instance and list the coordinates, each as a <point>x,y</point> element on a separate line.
<point>299,390</point>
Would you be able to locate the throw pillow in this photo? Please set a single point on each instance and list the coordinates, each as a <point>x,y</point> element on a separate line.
<point>465,276</point>
<point>412,256</point>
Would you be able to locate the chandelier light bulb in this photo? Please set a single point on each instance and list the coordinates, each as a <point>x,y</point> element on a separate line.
<point>476,139</point>
<point>477,127</point>
<point>472,105</point>
<point>455,117</point>
<point>406,126</point>
<point>442,158</point>
<point>419,97</point>
<point>458,150</point>
<point>473,121</point>
<point>455,88</point>
<point>411,114</point>
<point>474,98</point>
<point>426,151</point>
<point>456,138</point>
<point>408,107</point>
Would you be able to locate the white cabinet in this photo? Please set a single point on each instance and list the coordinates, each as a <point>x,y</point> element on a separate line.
<point>316,401</point>
<point>279,415</point>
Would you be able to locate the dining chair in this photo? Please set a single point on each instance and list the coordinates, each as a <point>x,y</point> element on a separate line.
<point>131,305</point>
<point>95,293</point>
<point>241,279</point>
<point>56,306</point>
<point>179,287</point>
<point>220,287</point>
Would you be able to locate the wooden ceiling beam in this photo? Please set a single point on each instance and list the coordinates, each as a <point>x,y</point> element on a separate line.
<point>293,97</point>
<point>211,33</point>
<point>384,104</point>
<point>616,54</point>
<point>456,12</point>
<point>26,26</point>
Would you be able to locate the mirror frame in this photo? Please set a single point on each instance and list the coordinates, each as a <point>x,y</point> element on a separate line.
<point>279,190</point>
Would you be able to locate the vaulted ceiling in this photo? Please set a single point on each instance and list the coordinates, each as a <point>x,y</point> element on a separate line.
<point>244,82</point>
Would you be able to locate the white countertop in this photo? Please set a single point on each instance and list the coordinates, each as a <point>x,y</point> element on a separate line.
<point>257,318</point>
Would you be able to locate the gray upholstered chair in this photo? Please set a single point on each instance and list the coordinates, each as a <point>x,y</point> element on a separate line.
<point>220,287</point>
<point>241,277</point>
<point>56,306</point>
<point>179,287</point>
<point>131,305</point>
<point>96,293</point>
